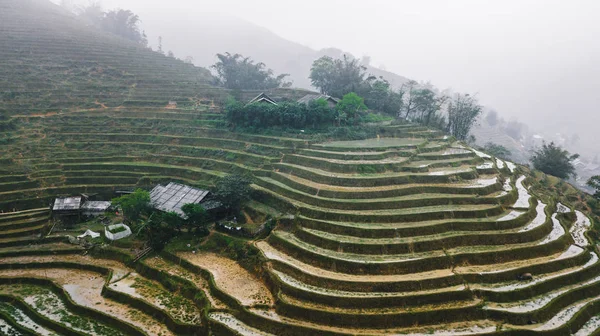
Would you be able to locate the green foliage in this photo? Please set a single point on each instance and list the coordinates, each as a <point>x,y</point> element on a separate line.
<point>121,22</point>
<point>497,150</point>
<point>172,220</point>
<point>594,182</point>
<point>375,118</point>
<point>426,105</point>
<point>317,114</point>
<point>118,229</point>
<point>241,73</point>
<point>342,76</point>
<point>233,191</point>
<point>235,248</point>
<point>158,230</point>
<point>350,108</point>
<point>197,217</point>
<point>337,77</point>
<point>134,204</point>
<point>463,111</point>
<point>553,160</point>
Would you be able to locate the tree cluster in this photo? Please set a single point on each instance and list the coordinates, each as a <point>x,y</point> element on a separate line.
<point>416,102</point>
<point>554,160</point>
<point>121,22</point>
<point>338,77</point>
<point>314,115</point>
<point>233,191</point>
<point>237,72</point>
<point>134,205</point>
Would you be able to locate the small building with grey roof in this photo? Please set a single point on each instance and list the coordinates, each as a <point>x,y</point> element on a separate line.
<point>331,101</point>
<point>173,196</point>
<point>67,205</point>
<point>94,208</point>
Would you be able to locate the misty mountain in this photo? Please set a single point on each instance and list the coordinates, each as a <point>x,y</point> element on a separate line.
<point>214,34</point>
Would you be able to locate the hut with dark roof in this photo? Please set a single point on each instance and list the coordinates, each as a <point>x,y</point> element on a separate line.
<point>331,101</point>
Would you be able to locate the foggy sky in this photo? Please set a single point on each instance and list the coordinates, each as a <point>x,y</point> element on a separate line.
<point>528,59</point>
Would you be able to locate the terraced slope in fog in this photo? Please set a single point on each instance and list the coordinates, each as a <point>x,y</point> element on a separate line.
<point>407,233</point>
<point>50,61</point>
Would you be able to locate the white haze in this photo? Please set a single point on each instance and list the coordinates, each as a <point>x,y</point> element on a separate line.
<point>537,61</point>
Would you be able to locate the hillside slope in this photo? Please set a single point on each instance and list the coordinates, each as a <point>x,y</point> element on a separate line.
<point>410,232</point>
<point>219,34</point>
<point>49,60</point>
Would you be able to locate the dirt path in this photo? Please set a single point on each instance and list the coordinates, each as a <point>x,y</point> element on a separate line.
<point>232,278</point>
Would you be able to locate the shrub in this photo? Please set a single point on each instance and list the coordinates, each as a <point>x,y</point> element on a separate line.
<point>317,114</point>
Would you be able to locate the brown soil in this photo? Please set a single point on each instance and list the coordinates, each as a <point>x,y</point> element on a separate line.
<point>197,280</point>
<point>85,290</point>
<point>232,278</point>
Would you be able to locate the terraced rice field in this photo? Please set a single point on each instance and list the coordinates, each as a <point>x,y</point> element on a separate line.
<point>404,235</point>
<point>408,233</point>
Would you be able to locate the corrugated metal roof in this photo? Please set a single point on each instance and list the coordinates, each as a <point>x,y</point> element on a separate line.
<point>67,203</point>
<point>173,196</point>
<point>95,205</point>
<point>314,96</point>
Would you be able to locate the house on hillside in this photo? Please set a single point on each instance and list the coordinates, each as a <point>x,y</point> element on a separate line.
<point>67,206</point>
<point>173,196</point>
<point>262,98</point>
<point>331,102</point>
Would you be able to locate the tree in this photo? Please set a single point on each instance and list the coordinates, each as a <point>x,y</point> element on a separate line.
<point>351,106</point>
<point>158,231</point>
<point>233,191</point>
<point>241,73</point>
<point>338,77</point>
<point>492,118</point>
<point>120,22</point>
<point>409,89</point>
<point>173,220</point>
<point>134,204</point>
<point>427,104</point>
<point>125,24</point>
<point>497,150</point>
<point>594,182</point>
<point>463,111</point>
<point>189,60</point>
<point>553,160</point>
<point>197,217</point>
<point>92,13</point>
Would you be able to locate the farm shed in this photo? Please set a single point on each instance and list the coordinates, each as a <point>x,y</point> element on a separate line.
<point>331,102</point>
<point>262,98</point>
<point>173,196</point>
<point>93,208</point>
<point>67,205</point>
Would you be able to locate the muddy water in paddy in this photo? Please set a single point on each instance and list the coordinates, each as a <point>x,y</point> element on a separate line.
<point>232,278</point>
<point>119,269</point>
<point>84,288</point>
<point>181,309</point>
<point>6,329</point>
<point>23,320</point>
